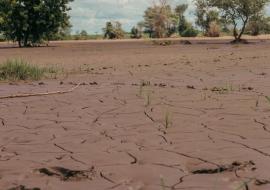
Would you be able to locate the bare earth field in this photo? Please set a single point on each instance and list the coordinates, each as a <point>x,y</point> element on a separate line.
<point>145,117</point>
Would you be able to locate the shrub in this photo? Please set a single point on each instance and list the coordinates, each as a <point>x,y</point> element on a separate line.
<point>20,70</point>
<point>190,32</point>
<point>135,33</point>
<point>2,38</point>
<point>213,30</point>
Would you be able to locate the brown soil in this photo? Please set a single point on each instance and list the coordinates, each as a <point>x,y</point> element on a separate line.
<point>146,117</point>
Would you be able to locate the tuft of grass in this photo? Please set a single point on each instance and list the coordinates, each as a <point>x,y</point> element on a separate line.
<point>143,84</point>
<point>267,98</point>
<point>18,69</point>
<point>168,121</point>
<point>162,183</point>
<point>148,99</point>
<point>244,185</point>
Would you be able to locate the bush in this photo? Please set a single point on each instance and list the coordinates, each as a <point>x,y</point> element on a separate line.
<point>190,32</point>
<point>21,70</point>
<point>2,38</point>
<point>135,33</point>
<point>213,30</point>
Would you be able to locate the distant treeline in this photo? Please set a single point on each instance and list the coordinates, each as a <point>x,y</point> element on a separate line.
<point>31,23</point>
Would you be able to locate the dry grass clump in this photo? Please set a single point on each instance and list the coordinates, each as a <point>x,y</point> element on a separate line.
<point>18,69</point>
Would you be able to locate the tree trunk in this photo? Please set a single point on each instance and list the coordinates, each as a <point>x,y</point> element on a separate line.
<point>20,43</point>
<point>235,33</point>
<point>26,37</point>
<point>242,30</point>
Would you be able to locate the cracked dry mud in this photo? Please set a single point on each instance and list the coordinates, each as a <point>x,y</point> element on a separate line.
<point>172,132</point>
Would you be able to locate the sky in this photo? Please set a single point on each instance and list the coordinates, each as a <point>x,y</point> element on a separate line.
<point>91,15</point>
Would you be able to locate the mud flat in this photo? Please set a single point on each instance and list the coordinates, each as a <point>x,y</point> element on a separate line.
<point>145,117</point>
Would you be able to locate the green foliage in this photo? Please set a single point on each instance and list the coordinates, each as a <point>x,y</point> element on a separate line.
<point>136,33</point>
<point>2,38</point>
<point>267,98</point>
<point>21,70</point>
<point>17,69</point>
<point>189,32</point>
<point>258,24</point>
<point>113,30</point>
<point>183,24</point>
<point>161,20</point>
<point>31,22</point>
<point>168,120</point>
<point>205,16</point>
<point>238,12</point>
<point>213,30</point>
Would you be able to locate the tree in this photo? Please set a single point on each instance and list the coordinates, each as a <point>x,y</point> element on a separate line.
<point>31,22</point>
<point>238,13</point>
<point>113,30</point>
<point>136,33</point>
<point>159,20</point>
<point>162,20</point>
<point>258,24</point>
<point>182,23</point>
<point>205,16</point>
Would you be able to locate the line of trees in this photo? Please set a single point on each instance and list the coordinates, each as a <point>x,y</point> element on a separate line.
<point>31,22</point>
<point>212,17</point>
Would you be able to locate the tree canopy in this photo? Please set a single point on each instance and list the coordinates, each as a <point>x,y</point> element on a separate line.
<point>163,20</point>
<point>238,12</point>
<point>113,30</point>
<point>31,22</point>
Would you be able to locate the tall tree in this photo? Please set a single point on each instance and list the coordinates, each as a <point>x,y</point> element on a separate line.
<point>162,20</point>
<point>30,22</point>
<point>258,24</point>
<point>113,30</point>
<point>238,12</point>
<point>205,16</point>
<point>182,23</point>
<point>158,20</point>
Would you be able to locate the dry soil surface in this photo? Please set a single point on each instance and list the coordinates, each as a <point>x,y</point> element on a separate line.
<point>145,117</point>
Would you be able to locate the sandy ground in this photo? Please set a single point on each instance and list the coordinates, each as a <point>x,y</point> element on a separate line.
<point>200,121</point>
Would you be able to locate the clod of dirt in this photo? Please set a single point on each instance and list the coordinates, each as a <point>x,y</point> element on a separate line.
<point>162,85</point>
<point>260,182</point>
<point>226,168</point>
<point>67,174</point>
<point>13,83</point>
<point>248,88</point>
<point>190,87</point>
<point>185,42</point>
<point>83,84</point>
<point>21,187</point>
<point>93,83</point>
<point>162,43</point>
<point>217,89</point>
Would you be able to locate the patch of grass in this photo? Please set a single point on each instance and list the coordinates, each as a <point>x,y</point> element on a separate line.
<point>267,98</point>
<point>162,183</point>
<point>143,84</point>
<point>244,185</point>
<point>168,122</point>
<point>148,99</point>
<point>17,69</point>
